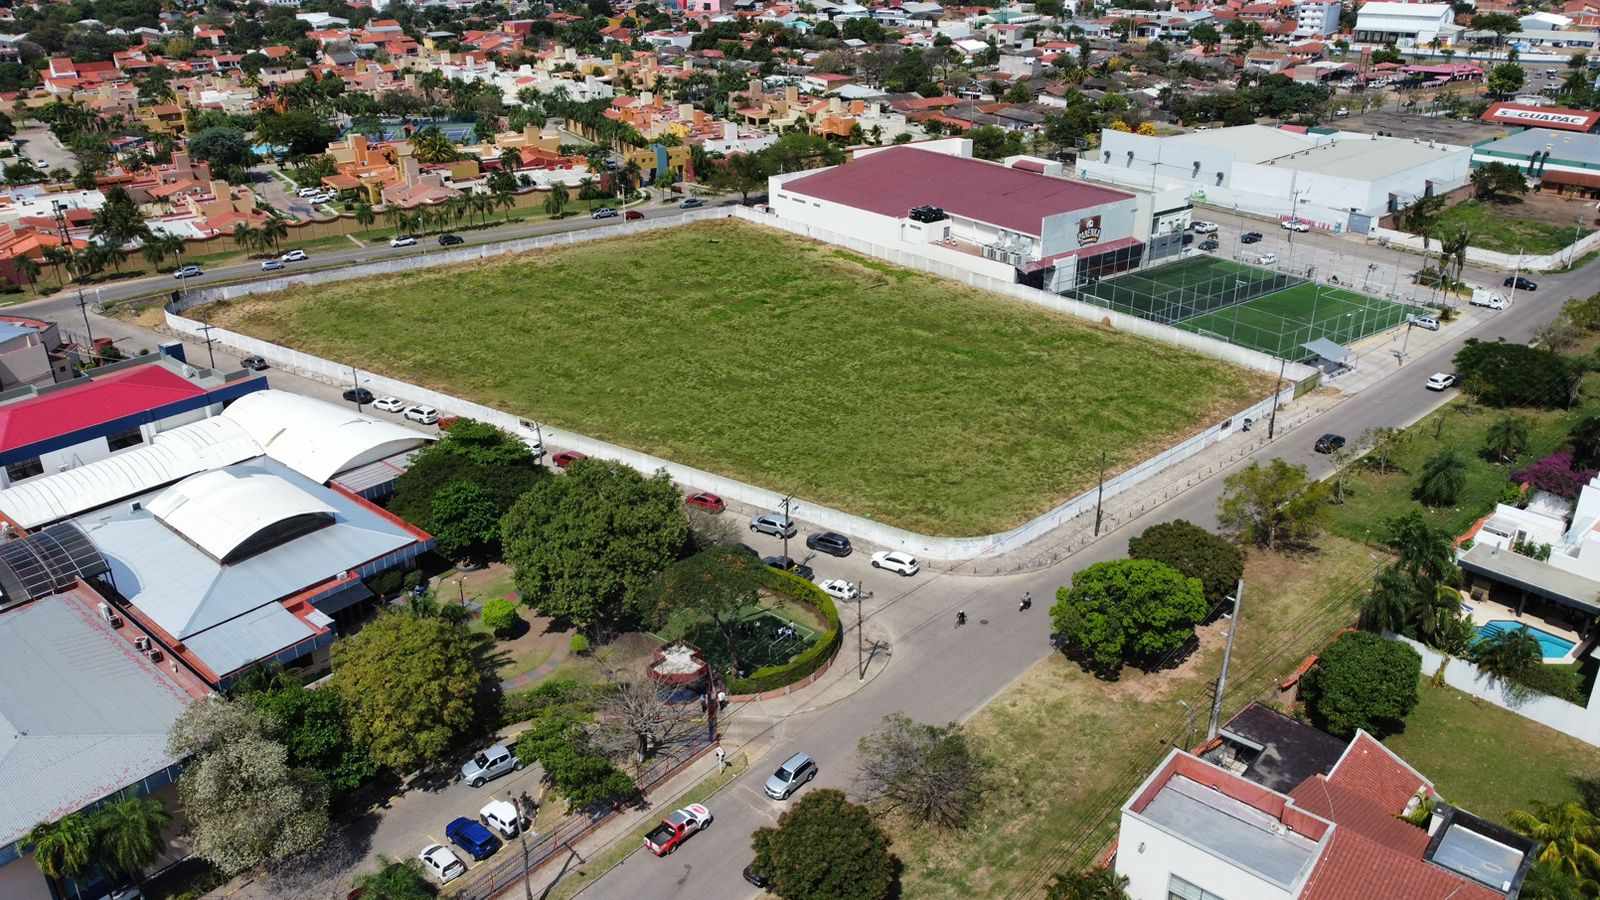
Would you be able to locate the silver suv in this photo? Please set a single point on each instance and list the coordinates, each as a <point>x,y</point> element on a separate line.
<point>795,771</point>
<point>774,524</point>
<point>488,764</point>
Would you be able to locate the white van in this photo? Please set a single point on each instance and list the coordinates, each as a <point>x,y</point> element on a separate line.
<point>1488,298</point>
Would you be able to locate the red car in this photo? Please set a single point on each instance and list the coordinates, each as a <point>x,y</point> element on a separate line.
<point>567,457</point>
<point>632,215</point>
<point>707,501</point>
<point>676,828</point>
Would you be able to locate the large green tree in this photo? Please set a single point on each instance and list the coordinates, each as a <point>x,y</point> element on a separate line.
<point>226,149</point>
<point>715,586</point>
<point>588,546</point>
<point>1505,79</point>
<point>1362,681</point>
<point>411,686</point>
<point>1273,505</point>
<point>311,725</point>
<point>1195,552</point>
<point>1499,373</point>
<point>1131,610</point>
<point>460,487</point>
<point>244,803</point>
<point>826,848</point>
<point>931,773</point>
<point>464,516</point>
<point>1498,183</point>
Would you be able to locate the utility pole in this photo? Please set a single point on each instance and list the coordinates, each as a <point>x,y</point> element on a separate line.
<point>861,648</point>
<point>210,352</point>
<point>526,817</point>
<point>1222,678</point>
<point>1100,493</point>
<point>1272,421</point>
<point>83,307</point>
<point>788,526</point>
<point>355,383</point>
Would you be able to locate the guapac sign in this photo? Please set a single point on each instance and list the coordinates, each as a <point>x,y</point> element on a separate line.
<point>1088,231</point>
<point>1565,119</point>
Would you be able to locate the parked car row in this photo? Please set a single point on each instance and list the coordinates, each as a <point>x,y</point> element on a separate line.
<point>316,195</point>
<point>422,415</point>
<point>273,265</point>
<point>497,821</point>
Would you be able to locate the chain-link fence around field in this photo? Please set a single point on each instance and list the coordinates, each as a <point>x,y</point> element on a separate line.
<point>1273,311</point>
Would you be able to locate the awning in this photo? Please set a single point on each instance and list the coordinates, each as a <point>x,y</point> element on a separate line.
<point>1085,252</point>
<point>1576,179</point>
<point>1329,350</point>
<point>1538,578</point>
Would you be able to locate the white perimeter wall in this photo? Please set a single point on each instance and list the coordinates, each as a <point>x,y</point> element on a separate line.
<point>934,547</point>
<point>1571,719</point>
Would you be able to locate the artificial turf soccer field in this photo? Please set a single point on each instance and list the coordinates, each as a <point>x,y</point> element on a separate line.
<point>1246,305</point>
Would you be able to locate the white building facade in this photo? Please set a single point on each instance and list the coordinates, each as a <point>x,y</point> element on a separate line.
<point>1316,18</point>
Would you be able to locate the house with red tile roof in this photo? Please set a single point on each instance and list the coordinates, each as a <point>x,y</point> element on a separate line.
<point>1220,824</point>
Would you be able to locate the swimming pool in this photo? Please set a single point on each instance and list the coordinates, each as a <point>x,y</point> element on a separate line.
<point>1553,646</point>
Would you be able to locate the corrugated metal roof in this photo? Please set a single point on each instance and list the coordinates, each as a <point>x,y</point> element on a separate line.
<point>255,635</point>
<point>171,455</point>
<point>219,510</point>
<point>364,478</point>
<point>316,438</point>
<point>81,714</point>
<point>187,592</point>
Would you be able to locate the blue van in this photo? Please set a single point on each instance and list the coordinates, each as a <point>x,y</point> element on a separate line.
<point>472,837</point>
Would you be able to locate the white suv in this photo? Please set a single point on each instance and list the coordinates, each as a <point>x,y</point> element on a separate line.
<point>444,865</point>
<point>423,415</point>
<point>1203,227</point>
<point>896,561</point>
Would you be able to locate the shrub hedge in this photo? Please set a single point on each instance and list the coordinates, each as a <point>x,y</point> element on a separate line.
<point>771,678</point>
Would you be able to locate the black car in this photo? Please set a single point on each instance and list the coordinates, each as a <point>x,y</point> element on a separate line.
<point>359,395</point>
<point>450,240</point>
<point>1249,237</point>
<point>1209,244</point>
<point>785,564</point>
<point>1328,443</point>
<point>756,878</point>
<point>829,542</point>
<point>253,363</point>
<point>1520,283</point>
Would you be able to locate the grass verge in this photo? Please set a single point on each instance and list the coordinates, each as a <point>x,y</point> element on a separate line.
<point>1371,499</point>
<point>778,361</point>
<point>1488,760</point>
<point>1496,227</point>
<point>1069,748</point>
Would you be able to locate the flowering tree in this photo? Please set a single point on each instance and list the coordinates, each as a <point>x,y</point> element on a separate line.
<point>1555,474</point>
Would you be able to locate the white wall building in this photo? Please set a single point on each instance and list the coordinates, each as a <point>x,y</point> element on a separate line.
<point>1404,24</point>
<point>1338,181</point>
<point>1316,18</point>
<point>1012,222</point>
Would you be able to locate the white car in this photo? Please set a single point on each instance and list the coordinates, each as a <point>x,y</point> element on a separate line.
<point>500,816</point>
<point>1203,227</point>
<point>1439,381</point>
<point>189,272</point>
<point>308,192</point>
<point>839,589</point>
<point>389,404</point>
<point>424,415</point>
<point>445,865</point>
<point>295,256</point>
<point>1426,322</point>
<point>1267,259</point>
<point>1294,225</point>
<point>896,561</point>
<point>403,241</point>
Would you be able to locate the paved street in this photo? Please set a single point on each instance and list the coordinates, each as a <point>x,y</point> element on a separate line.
<point>939,672</point>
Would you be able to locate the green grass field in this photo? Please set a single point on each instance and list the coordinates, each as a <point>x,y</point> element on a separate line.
<point>779,361</point>
<point>1246,305</point>
<point>1497,227</point>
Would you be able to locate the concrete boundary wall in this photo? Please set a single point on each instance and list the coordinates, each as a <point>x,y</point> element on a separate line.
<point>871,531</point>
<point>1508,261</point>
<point>1570,719</point>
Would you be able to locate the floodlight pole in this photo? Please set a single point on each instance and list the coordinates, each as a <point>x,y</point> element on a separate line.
<point>1227,654</point>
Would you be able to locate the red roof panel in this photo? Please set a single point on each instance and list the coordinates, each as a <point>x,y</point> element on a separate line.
<point>103,399</point>
<point>891,182</point>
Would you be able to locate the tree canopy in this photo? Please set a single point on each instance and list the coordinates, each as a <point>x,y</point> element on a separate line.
<point>1194,552</point>
<point>1498,183</point>
<point>1362,681</point>
<point>932,773</point>
<point>588,546</point>
<point>226,149</point>
<point>311,726</point>
<point>714,585</point>
<point>459,488</point>
<point>826,848</point>
<point>411,685</point>
<point>1502,374</point>
<point>1131,610</point>
<point>1273,505</point>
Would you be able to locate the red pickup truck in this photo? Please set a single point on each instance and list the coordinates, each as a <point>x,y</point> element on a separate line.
<point>676,828</point>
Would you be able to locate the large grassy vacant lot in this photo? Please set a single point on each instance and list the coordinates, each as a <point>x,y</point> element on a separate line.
<point>779,361</point>
<point>1501,229</point>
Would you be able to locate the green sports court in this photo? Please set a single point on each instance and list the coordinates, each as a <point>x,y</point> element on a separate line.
<point>1246,305</point>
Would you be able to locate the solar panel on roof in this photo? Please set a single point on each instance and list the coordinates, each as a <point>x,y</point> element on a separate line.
<point>47,562</point>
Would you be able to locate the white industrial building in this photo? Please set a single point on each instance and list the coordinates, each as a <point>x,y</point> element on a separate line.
<point>1405,24</point>
<point>1020,221</point>
<point>1337,181</point>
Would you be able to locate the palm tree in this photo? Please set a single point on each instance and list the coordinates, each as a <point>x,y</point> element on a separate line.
<point>129,833</point>
<point>431,146</point>
<point>1443,477</point>
<point>57,258</point>
<point>556,199</point>
<point>1506,438</point>
<point>1569,832</point>
<point>274,231</point>
<point>392,216</point>
<point>1507,654</point>
<point>28,270</point>
<point>1388,605</point>
<point>62,849</point>
<point>246,237</point>
<point>364,215</point>
<point>1426,554</point>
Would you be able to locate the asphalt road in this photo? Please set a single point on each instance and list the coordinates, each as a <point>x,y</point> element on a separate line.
<point>938,672</point>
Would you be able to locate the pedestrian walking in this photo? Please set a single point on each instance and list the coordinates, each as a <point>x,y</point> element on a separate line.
<point>961,618</point>
<point>722,699</point>
<point>722,758</point>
